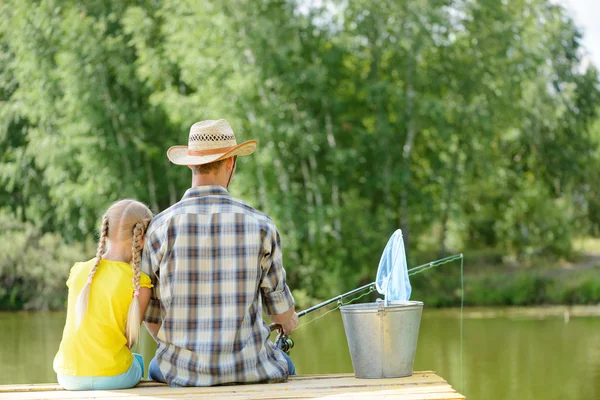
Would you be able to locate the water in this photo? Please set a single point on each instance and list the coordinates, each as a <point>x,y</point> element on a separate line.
<point>529,354</point>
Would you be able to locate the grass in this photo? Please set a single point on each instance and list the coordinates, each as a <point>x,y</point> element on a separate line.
<point>587,245</point>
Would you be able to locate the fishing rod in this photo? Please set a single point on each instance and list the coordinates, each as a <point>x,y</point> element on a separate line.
<point>285,343</point>
<point>302,313</point>
<point>371,286</point>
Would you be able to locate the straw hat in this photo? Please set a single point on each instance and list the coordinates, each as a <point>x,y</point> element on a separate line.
<point>209,141</point>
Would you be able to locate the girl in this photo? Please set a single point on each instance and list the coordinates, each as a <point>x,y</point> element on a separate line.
<point>107,298</point>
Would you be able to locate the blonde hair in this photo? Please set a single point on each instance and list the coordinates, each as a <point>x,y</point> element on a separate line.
<point>125,220</point>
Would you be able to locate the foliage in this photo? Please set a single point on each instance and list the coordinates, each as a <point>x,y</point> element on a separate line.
<point>467,124</point>
<point>493,288</point>
<point>34,266</point>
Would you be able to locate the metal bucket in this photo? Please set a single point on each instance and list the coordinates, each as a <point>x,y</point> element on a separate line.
<point>382,340</point>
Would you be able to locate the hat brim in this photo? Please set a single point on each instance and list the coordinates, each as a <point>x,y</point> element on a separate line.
<point>179,154</point>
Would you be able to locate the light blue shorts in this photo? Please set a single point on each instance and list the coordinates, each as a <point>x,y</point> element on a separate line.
<point>126,380</point>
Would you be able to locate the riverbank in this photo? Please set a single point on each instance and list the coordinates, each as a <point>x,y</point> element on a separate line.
<point>499,288</point>
<point>520,313</point>
<point>489,282</point>
<point>493,279</point>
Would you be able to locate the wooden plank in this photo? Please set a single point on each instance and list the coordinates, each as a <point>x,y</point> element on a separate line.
<point>421,385</point>
<point>290,385</point>
<point>318,395</point>
<point>176,394</point>
<point>302,380</point>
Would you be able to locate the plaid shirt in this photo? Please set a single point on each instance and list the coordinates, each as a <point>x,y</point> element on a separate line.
<point>215,262</point>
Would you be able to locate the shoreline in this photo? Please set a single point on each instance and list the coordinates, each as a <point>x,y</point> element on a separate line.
<point>516,312</point>
<point>540,311</point>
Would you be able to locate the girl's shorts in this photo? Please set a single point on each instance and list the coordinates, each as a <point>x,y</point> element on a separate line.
<point>126,380</point>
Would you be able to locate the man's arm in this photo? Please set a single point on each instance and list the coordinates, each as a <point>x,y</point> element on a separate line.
<point>143,299</point>
<point>277,297</point>
<point>150,266</point>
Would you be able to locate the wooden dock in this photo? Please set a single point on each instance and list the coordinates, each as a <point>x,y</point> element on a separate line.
<point>420,386</point>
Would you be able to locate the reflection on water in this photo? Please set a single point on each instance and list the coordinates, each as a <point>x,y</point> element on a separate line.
<point>29,342</point>
<point>533,354</point>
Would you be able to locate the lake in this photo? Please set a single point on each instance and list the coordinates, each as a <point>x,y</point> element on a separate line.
<point>530,353</point>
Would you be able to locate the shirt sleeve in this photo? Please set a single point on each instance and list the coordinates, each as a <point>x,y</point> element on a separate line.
<point>150,268</point>
<point>145,281</point>
<point>276,294</point>
<point>72,275</point>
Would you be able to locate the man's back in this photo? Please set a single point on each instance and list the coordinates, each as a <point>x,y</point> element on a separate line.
<point>215,262</point>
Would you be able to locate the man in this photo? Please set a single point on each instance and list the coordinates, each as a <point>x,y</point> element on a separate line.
<point>215,262</point>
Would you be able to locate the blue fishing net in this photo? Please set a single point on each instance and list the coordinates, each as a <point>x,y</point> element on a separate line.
<point>392,274</point>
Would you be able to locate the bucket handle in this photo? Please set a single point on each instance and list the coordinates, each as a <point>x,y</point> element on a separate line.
<point>381,307</point>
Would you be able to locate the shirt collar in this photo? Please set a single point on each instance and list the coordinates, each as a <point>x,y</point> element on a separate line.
<point>208,190</point>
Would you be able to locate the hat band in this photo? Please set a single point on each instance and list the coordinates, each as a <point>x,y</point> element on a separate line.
<point>210,151</point>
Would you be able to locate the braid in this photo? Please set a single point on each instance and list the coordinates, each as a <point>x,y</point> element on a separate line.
<point>133,316</point>
<point>83,298</point>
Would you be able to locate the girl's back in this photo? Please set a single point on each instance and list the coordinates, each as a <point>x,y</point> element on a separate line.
<point>99,346</point>
<point>107,299</point>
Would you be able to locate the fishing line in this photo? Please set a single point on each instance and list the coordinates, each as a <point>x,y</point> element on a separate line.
<point>462,306</point>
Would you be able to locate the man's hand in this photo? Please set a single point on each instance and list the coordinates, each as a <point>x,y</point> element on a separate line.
<point>288,320</point>
<point>152,329</point>
<point>291,324</point>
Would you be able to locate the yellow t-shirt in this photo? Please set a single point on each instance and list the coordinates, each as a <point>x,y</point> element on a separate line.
<point>99,346</point>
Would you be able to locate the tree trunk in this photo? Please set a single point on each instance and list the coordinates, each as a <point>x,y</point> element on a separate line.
<point>335,196</point>
<point>151,185</point>
<point>406,153</point>
<point>170,186</point>
<point>309,199</point>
